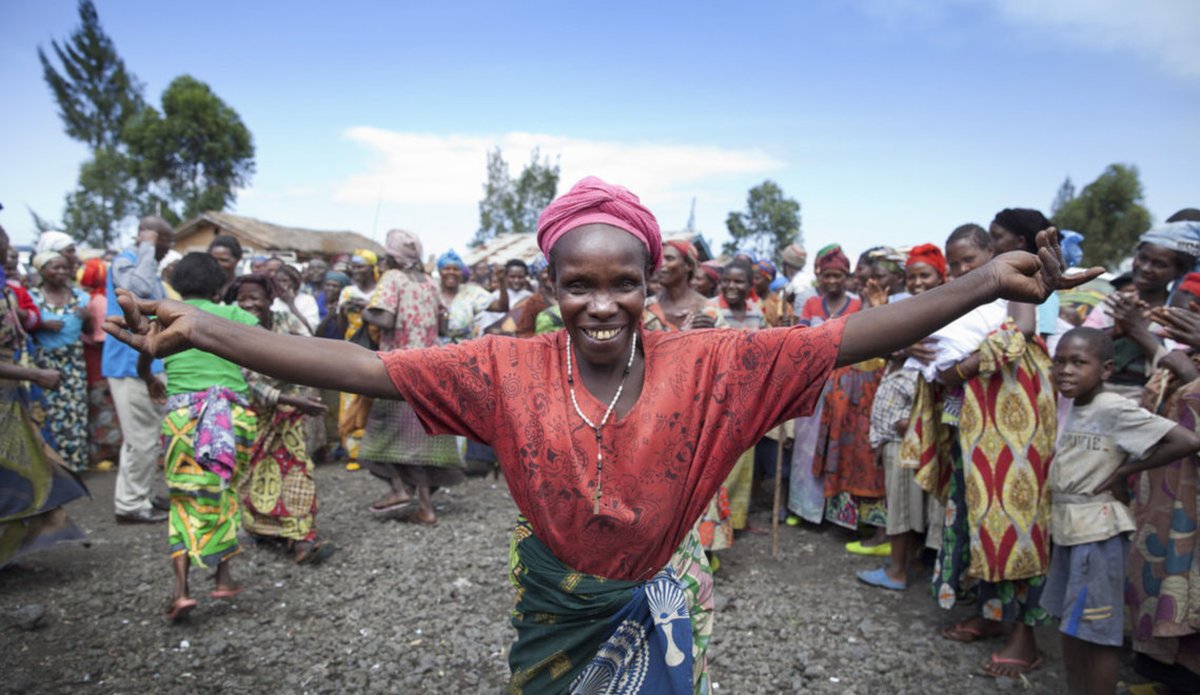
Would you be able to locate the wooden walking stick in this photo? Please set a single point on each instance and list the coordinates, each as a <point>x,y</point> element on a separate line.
<point>786,319</point>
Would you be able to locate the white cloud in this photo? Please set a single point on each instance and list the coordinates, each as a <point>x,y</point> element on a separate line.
<point>1163,30</point>
<point>427,169</point>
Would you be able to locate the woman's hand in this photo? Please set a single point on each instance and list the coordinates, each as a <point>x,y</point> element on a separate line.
<point>167,333</point>
<point>1127,311</point>
<point>48,379</point>
<point>1181,325</point>
<point>306,405</point>
<point>924,351</point>
<point>1024,277</point>
<point>697,320</point>
<point>874,294</point>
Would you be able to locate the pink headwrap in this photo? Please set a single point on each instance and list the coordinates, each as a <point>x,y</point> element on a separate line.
<point>404,246</point>
<point>592,201</point>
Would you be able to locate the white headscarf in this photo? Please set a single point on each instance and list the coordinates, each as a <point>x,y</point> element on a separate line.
<point>53,241</point>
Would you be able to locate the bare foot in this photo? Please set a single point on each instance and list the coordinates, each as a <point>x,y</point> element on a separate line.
<point>973,629</point>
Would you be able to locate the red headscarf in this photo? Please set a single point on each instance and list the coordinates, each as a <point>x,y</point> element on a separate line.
<point>93,276</point>
<point>930,255</point>
<point>1191,284</point>
<point>690,255</point>
<point>592,201</point>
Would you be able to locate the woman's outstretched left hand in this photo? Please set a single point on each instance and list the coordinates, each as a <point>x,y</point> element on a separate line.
<point>166,334</point>
<point>1024,277</point>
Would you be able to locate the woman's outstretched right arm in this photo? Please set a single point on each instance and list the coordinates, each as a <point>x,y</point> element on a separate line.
<point>175,326</point>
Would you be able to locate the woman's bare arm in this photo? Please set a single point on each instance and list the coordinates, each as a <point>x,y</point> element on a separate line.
<point>331,364</point>
<point>1016,276</point>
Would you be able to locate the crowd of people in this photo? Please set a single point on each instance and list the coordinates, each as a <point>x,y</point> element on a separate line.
<point>1022,439</point>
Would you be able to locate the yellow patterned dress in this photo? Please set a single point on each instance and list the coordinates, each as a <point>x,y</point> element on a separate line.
<point>278,494</point>
<point>990,471</point>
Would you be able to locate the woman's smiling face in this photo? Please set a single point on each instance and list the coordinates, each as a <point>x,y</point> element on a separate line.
<point>600,280</point>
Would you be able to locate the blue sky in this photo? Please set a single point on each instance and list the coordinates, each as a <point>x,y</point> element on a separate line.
<point>889,121</point>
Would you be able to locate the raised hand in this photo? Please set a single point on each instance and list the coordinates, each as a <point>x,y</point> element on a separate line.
<point>874,294</point>
<point>165,334</point>
<point>1023,277</point>
<point>1180,324</point>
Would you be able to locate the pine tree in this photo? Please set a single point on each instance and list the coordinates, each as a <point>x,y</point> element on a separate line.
<point>96,96</point>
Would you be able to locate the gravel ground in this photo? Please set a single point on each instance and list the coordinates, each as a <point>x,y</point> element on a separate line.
<point>403,608</point>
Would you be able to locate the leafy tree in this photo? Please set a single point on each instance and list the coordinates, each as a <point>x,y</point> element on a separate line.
<point>193,155</point>
<point>1109,214</point>
<point>770,223</point>
<point>96,96</point>
<point>513,205</point>
<point>1066,193</point>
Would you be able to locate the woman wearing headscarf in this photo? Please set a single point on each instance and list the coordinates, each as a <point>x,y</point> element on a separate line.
<point>611,450</point>
<point>806,495</point>
<point>1163,255</point>
<point>395,447</point>
<point>104,432</point>
<point>331,287</point>
<point>288,297</point>
<point>34,485</point>
<point>58,345</point>
<point>58,242</point>
<point>768,299</point>
<point>278,491</point>
<point>352,415</point>
<point>461,301</point>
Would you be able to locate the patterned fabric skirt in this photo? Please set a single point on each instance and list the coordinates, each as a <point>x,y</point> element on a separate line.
<point>352,441</point>
<point>66,408</point>
<point>278,494</point>
<point>739,485</point>
<point>1163,586</point>
<point>204,516</point>
<point>580,633</point>
<point>1009,601</point>
<point>33,488</point>
<point>716,523</point>
<point>395,446</point>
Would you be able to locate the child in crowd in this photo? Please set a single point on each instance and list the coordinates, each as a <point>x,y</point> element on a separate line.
<point>208,434</point>
<point>1105,438</point>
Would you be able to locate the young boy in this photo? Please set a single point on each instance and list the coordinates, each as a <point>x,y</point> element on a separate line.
<point>1104,439</point>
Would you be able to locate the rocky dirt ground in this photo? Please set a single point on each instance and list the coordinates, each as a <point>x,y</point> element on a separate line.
<point>403,608</point>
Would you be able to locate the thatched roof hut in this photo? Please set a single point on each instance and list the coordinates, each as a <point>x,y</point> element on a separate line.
<point>259,237</point>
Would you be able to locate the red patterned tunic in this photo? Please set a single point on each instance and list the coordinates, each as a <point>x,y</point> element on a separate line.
<point>707,397</point>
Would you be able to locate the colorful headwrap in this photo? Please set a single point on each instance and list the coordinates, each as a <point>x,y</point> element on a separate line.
<point>713,270</point>
<point>1181,237</point>
<point>538,265</point>
<point>1025,223</point>
<point>93,276</point>
<point>779,283</point>
<point>44,257</point>
<point>364,257</point>
<point>748,254</point>
<point>52,241</point>
<point>338,277</point>
<point>450,258</point>
<point>832,258</point>
<point>1072,250</point>
<point>1190,284</point>
<point>765,268</point>
<point>690,255</point>
<point>592,201</point>
<point>404,246</point>
<point>794,255</point>
<point>887,257</point>
<point>930,255</point>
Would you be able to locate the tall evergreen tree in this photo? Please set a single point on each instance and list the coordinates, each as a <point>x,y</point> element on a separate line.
<point>770,223</point>
<point>513,205</point>
<point>96,98</point>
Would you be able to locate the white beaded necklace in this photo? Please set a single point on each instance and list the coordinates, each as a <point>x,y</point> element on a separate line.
<point>595,427</point>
